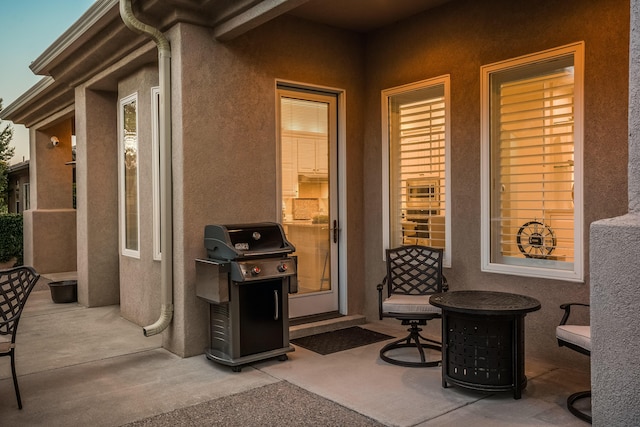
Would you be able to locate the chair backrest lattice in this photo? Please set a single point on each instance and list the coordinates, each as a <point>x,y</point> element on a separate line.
<point>414,270</point>
<point>15,286</point>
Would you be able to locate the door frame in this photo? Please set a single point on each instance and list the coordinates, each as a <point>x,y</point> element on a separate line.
<point>338,263</point>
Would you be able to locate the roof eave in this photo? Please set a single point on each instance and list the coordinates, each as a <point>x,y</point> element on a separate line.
<point>14,109</point>
<point>83,28</point>
<point>18,167</point>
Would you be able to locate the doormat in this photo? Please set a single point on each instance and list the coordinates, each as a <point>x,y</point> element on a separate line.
<point>340,340</point>
<point>280,404</point>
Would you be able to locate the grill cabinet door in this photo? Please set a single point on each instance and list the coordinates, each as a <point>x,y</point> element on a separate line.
<point>261,316</point>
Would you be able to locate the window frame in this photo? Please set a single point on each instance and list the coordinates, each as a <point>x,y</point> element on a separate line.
<point>133,253</point>
<point>386,94</point>
<point>536,268</point>
<point>155,172</point>
<point>26,196</point>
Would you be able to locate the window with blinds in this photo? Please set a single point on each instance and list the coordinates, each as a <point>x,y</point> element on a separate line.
<point>534,117</point>
<point>417,125</point>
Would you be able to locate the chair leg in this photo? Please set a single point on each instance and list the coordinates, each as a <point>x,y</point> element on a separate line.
<point>413,340</point>
<point>15,379</point>
<point>575,411</point>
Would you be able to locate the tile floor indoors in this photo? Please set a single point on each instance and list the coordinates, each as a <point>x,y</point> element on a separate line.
<point>82,366</point>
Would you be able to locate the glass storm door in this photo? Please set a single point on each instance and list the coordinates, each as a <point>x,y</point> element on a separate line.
<point>308,146</point>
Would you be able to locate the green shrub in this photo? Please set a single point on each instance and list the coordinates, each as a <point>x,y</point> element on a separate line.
<point>11,237</point>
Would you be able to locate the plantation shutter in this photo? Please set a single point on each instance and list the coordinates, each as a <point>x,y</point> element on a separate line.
<point>533,165</point>
<point>417,167</point>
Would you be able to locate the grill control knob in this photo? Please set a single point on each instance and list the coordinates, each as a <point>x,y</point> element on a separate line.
<point>255,270</point>
<point>282,268</point>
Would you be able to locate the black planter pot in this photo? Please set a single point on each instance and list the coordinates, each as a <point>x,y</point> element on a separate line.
<point>64,291</point>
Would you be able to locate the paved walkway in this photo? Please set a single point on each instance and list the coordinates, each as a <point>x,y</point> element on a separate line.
<point>80,366</point>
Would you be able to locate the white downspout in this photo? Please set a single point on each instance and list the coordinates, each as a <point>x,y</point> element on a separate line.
<point>166,222</point>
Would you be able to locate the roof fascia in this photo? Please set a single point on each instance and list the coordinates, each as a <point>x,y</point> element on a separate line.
<point>34,91</point>
<point>18,167</point>
<point>83,25</point>
<point>253,17</point>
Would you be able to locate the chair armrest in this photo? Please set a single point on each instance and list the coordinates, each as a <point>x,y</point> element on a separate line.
<point>567,310</point>
<point>445,284</point>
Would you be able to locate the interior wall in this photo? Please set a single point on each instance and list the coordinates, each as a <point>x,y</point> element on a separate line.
<point>226,133</point>
<point>457,38</point>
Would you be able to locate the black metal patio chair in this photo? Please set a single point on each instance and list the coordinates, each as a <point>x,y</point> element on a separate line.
<point>15,286</point>
<point>414,273</point>
<point>578,338</point>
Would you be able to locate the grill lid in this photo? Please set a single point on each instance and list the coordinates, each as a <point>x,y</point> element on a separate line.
<point>238,241</point>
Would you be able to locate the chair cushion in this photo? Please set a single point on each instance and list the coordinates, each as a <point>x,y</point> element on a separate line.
<point>409,304</point>
<point>575,334</point>
<point>5,343</point>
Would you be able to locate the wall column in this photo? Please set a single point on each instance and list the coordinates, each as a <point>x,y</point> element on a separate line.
<point>615,281</point>
<point>97,197</point>
<point>50,223</point>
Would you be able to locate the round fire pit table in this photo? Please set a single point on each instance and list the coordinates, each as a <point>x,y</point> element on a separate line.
<point>483,339</point>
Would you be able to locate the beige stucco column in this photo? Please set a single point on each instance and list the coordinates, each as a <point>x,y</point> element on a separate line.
<point>615,282</point>
<point>97,197</point>
<point>50,223</point>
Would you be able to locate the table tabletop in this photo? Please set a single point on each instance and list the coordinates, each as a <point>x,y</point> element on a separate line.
<point>485,302</point>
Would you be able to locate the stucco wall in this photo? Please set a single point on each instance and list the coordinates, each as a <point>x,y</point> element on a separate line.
<point>615,295</point>
<point>50,224</point>
<point>54,178</point>
<point>97,197</point>
<point>457,39</point>
<point>225,138</point>
<point>140,277</point>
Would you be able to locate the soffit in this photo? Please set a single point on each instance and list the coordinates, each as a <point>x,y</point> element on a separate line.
<point>44,99</point>
<point>362,15</point>
<point>99,40</point>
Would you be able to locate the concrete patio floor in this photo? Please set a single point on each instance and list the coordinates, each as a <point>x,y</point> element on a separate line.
<point>82,366</point>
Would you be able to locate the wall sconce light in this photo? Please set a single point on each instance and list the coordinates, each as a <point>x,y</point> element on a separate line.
<point>54,141</point>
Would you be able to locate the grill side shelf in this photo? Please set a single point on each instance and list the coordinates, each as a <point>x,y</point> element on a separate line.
<point>212,281</point>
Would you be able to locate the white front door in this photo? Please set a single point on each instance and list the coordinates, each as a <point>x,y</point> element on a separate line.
<point>308,193</point>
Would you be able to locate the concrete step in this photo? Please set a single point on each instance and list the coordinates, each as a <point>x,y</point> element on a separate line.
<point>312,328</point>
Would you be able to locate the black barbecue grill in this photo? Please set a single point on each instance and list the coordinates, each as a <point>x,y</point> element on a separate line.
<point>246,279</point>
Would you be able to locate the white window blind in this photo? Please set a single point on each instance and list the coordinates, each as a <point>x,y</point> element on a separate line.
<point>534,170</point>
<point>417,167</point>
<point>532,165</point>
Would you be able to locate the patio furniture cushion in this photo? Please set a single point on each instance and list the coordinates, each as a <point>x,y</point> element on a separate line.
<point>575,334</point>
<point>5,343</point>
<point>399,303</point>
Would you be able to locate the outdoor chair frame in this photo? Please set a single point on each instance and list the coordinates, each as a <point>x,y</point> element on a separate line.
<point>414,273</point>
<point>577,338</point>
<point>16,285</point>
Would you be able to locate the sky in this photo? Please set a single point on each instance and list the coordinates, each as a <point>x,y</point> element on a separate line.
<point>27,29</point>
